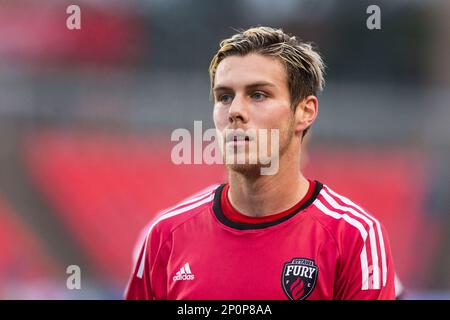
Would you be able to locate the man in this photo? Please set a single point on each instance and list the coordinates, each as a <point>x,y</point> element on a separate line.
<point>264,236</point>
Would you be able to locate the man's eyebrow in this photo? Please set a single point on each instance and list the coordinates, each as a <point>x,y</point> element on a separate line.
<point>250,86</point>
<point>221,88</point>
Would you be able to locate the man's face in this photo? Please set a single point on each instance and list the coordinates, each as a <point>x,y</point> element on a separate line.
<point>250,94</point>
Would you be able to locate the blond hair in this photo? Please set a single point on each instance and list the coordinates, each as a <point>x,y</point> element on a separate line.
<point>304,66</point>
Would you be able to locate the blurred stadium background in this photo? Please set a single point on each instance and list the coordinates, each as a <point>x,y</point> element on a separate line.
<point>86,117</point>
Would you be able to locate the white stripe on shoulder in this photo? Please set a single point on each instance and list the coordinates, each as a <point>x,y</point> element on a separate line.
<point>377,223</point>
<point>355,223</point>
<point>373,243</point>
<point>165,216</point>
<point>198,196</point>
<point>143,233</point>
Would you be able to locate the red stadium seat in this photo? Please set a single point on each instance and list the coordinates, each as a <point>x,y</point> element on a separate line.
<point>23,257</point>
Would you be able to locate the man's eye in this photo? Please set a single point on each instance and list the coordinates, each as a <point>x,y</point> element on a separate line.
<point>258,96</point>
<point>225,98</point>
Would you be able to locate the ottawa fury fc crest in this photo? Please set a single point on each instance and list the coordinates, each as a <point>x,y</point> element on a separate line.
<point>299,278</point>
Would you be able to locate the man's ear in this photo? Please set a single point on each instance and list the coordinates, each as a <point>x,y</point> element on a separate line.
<point>306,113</point>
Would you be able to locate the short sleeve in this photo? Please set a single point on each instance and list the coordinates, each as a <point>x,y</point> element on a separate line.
<point>366,268</point>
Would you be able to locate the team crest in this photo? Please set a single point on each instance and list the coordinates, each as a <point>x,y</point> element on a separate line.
<point>299,278</point>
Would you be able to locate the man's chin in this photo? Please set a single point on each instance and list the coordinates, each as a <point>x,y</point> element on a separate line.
<point>249,170</point>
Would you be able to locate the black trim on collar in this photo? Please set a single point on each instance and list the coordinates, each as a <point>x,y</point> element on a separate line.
<point>217,208</point>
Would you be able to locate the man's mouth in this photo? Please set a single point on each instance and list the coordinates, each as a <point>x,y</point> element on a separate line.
<point>238,137</point>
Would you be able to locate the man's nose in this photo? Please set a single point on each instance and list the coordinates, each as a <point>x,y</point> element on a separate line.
<point>238,110</point>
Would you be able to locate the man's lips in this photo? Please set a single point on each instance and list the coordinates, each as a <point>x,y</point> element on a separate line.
<point>239,139</point>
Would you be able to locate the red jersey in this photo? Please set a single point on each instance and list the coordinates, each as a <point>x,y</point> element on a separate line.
<point>325,247</point>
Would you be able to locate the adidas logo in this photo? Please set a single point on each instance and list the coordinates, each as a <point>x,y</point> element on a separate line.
<point>184,273</point>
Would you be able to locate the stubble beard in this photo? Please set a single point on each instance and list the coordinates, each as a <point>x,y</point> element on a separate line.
<point>253,170</point>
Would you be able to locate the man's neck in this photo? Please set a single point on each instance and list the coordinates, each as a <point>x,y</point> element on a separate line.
<point>267,194</point>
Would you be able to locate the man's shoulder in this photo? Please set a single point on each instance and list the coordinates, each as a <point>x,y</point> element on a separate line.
<point>167,220</point>
<point>171,217</point>
<point>339,214</point>
<point>361,239</point>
